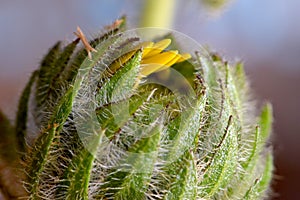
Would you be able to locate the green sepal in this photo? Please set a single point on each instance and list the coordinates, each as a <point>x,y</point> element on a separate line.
<point>39,156</point>
<point>53,82</point>
<point>130,180</point>
<point>208,68</point>
<point>266,177</point>
<point>261,136</point>
<point>222,165</point>
<point>240,77</point>
<point>121,85</point>
<point>75,181</point>
<point>265,123</point>
<point>183,131</point>
<point>80,169</point>
<point>182,178</point>
<point>126,110</point>
<point>234,94</point>
<point>241,185</point>
<point>88,64</point>
<point>46,73</point>
<point>22,114</point>
<point>61,65</point>
<point>260,186</point>
<point>71,71</point>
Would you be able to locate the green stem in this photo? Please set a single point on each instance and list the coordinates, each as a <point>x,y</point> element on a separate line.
<point>158,13</point>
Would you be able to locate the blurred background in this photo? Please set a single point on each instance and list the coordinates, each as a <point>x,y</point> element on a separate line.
<point>264,34</point>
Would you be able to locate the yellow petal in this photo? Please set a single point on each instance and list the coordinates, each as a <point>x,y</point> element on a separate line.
<point>157,47</point>
<point>170,63</point>
<point>184,57</point>
<point>150,68</point>
<point>146,48</point>
<point>162,58</point>
<point>174,60</point>
<point>162,44</point>
<point>120,61</point>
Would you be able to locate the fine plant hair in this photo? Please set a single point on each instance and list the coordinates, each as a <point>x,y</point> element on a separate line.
<point>102,130</point>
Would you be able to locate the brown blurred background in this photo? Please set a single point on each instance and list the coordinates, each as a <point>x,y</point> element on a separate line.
<point>264,34</point>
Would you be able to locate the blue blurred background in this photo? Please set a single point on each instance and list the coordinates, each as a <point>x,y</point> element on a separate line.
<point>264,34</point>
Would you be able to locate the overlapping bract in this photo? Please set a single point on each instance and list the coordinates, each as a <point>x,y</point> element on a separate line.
<point>208,147</point>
